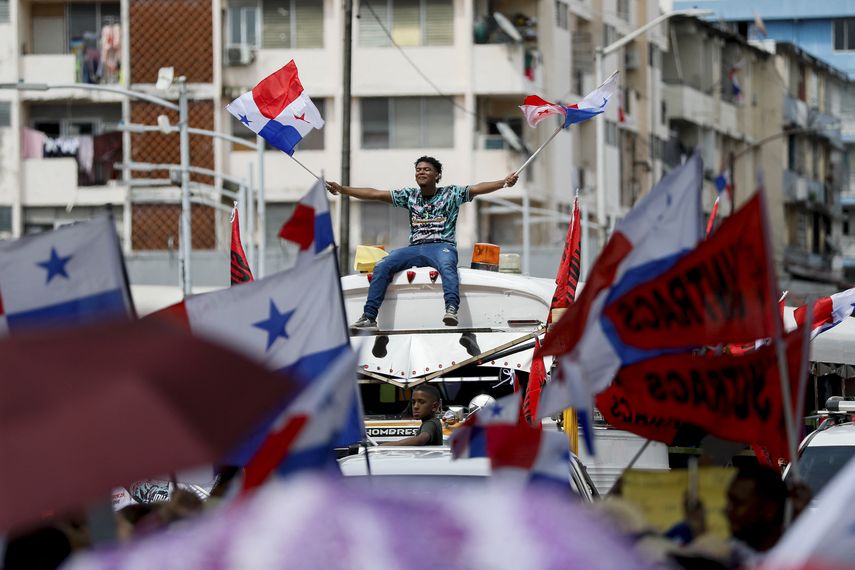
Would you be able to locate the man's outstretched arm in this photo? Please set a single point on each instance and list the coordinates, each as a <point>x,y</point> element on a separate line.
<point>487,187</point>
<point>361,193</point>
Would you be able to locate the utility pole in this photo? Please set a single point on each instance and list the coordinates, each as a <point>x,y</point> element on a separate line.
<point>344,211</point>
<point>185,242</point>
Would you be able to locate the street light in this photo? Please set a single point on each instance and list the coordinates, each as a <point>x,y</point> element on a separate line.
<point>601,52</point>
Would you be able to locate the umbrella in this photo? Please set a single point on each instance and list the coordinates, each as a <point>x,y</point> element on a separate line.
<point>319,522</point>
<point>89,409</point>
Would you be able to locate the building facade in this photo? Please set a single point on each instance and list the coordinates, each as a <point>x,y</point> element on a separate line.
<point>824,30</point>
<point>764,118</point>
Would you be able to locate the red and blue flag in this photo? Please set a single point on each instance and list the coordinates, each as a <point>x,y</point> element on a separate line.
<point>278,110</point>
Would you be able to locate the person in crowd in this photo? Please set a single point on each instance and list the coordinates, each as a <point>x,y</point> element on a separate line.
<point>433,221</point>
<point>756,500</point>
<point>426,404</point>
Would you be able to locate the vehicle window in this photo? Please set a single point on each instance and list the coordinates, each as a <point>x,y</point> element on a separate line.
<point>819,464</point>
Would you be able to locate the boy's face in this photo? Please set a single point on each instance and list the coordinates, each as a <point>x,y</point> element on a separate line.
<point>426,174</point>
<point>424,406</point>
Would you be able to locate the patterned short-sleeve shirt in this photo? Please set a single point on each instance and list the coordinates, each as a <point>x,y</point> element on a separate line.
<point>435,218</point>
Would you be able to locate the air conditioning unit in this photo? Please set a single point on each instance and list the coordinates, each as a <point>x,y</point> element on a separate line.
<point>239,55</point>
<point>632,60</point>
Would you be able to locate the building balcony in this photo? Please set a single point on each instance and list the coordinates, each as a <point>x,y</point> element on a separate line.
<point>505,69</point>
<point>694,106</point>
<point>812,266</point>
<point>795,112</point>
<point>801,189</point>
<point>320,71</point>
<point>60,69</point>
<point>53,182</point>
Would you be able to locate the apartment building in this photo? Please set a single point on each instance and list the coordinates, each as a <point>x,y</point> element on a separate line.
<point>433,77</point>
<point>634,127</point>
<point>770,118</point>
<point>436,77</point>
<point>825,30</point>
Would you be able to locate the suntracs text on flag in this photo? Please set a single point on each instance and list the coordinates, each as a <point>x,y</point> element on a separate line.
<point>278,110</point>
<point>664,225</point>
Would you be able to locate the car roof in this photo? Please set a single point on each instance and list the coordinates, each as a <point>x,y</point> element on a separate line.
<point>839,435</point>
<point>414,461</point>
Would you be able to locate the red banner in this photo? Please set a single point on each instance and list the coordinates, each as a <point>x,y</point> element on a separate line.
<point>240,271</point>
<point>717,293</point>
<point>536,380</point>
<point>737,398</point>
<point>567,277</point>
<point>621,412</point>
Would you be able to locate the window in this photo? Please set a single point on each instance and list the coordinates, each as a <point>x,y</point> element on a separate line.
<point>243,23</point>
<point>5,114</point>
<point>611,133</point>
<point>312,141</point>
<point>407,122</point>
<point>4,11</point>
<point>292,24</point>
<point>5,219</point>
<point>610,35</point>
<point>562,19</point>
<point>623,10</point>
<point>844,34</point>
<point>410,22</point>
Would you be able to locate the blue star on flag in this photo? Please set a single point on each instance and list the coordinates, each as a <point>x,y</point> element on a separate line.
<point>55,265</point>
<point>245,120</point>
<point>275,324</point>
<point>496,410</point>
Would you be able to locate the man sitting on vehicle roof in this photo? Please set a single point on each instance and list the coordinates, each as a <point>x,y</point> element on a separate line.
<point>426,407</point>
<point>433,221</point>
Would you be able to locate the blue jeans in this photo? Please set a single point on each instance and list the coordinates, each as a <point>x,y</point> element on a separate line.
<point>442,256</point>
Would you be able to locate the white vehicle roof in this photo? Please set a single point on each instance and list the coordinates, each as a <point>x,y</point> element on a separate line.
<point>496,309</point>
<point>427,461</point>
<point>839,435</point>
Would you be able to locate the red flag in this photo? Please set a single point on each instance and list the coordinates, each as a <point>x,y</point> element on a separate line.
<point>621,412</point>
<point>567,277</point>
<point>737,398</point>
<point>536,380</point>
<point>717,293</point>
<point>241,273</point>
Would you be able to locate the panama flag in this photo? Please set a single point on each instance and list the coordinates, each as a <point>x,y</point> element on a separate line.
<point>828,312</point>
<point>517,451</point>
<point>662,227</point>
<point>536,109</point>
<point>291,321</point>
<point>68,276</point>
<point>310,226</point>
<point>304,435</point>
<point>278,110</point>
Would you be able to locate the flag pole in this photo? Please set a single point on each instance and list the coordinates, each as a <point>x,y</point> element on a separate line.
<point>305,167</point>
<point>540,148</point>
<point>364,442</point>
<point>778,339</point>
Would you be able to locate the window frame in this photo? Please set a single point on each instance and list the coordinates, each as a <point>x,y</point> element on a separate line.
<point>848,32</point>
<point>389,24</point>
<point>391,131</point>
<point>242,8</point>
